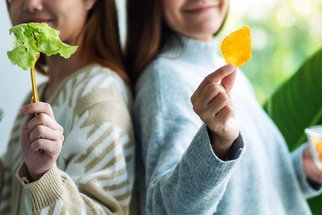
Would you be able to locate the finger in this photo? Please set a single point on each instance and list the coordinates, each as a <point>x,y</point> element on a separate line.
<point>39,107</point>
<point>208,94</point>
<point>43,132</point>
<point>315,173</point>
<point>221,73</point>
<point>221,101</point>
<point>198,91</point>
<point>25,133</point>
<point>211,91</point>
<point>208,112</point>
<point>222,118</point>
<point>45,120</point>
<point>228,81</point>
<point>215,77</point>
<point>225,113</point>
<point>307,154</point>
<point>48,146</point>
<point>206,116</point>
<point>27,121</point>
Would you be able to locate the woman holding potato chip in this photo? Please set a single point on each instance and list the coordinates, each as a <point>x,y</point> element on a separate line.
<point>205,144</point>
<point>75,152</point>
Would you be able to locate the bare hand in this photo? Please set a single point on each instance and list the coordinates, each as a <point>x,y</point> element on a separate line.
<point>42,138</point>
<point>309,167</point>
<point>212,103</point>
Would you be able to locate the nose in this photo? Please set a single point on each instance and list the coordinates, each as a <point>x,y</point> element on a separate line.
<point>33,5</point>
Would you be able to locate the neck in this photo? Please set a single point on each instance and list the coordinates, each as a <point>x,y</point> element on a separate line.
<point>59,68</point>
<point>203,38</point>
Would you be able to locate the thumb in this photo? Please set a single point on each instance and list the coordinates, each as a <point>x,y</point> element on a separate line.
<point>228,81</point>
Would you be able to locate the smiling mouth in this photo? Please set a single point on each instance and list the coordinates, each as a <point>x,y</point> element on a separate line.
<point>202,8</point>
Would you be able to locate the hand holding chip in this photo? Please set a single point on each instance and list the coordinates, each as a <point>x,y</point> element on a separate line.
<point>211,101</point>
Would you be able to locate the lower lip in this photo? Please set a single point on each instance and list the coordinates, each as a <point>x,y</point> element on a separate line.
<point>39,20</point>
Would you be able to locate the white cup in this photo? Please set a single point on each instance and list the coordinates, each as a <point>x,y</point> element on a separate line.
<point>314,135</point>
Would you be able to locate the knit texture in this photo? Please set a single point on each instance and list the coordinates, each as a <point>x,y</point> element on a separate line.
<point>94,171</point>
<point>180,174</point>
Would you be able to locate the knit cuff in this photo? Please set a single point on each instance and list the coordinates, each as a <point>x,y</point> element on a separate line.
<point>200,154</point>
<point>235,149</point>
<point>43,192</point>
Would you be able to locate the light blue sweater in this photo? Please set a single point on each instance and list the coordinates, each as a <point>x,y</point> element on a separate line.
<point>179,172</point>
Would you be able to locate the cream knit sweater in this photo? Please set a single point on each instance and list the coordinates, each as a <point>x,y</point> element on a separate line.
<point>94,172</point>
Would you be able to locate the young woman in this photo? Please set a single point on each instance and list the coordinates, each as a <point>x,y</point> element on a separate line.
<point>73,154</point>
<point>229,158</point>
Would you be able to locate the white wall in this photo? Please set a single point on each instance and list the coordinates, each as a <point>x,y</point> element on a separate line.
<point>122,19</point>
<point>14,82</point>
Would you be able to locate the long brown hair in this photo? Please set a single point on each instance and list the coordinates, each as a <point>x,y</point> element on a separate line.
<point>101,38</point>
<point>147,35</point>
<point>144,33</point>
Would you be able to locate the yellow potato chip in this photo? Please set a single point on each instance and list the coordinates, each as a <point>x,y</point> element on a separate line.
<point>237,48</point>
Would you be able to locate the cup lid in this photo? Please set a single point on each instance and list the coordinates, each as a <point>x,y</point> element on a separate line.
<point>314,131</point>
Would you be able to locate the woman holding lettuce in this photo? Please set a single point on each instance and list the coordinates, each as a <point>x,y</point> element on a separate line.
<point>72,152</point>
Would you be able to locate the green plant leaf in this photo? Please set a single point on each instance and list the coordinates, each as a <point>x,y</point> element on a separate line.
<point>296,105</point>
<point>33,38</point>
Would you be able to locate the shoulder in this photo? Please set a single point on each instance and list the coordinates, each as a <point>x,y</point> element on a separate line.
<point>93,85</point>
<point>164,87</point>
<point>98,79</point>
<point>162,74</point>
<point>160,68</point>
<point>158,76</point>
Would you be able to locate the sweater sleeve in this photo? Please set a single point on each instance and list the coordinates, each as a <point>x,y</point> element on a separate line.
<point>182,174</point>
<point>308,189</point>
<point>5,179</point>
<point>98,174</point>
<point>6,173</point>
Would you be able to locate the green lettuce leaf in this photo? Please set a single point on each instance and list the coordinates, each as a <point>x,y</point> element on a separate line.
<point>33,38</point>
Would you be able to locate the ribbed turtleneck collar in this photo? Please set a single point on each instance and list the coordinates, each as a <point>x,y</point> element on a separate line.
<point>194,51</point>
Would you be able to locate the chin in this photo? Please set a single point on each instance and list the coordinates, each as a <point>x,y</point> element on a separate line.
<point>203,32</point>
